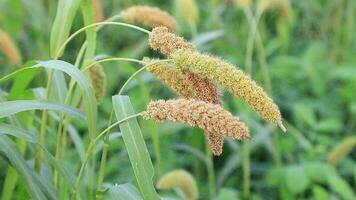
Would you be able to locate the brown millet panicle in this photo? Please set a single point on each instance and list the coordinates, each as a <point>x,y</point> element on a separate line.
<point>99,12</point>
<point>8,47</point>
<point>167,43</point>
<point>216,121</point>
<point>204,88</point>
<point>162,40</point>
<point>149,16</point>
<point>171,76</point>
<point>185,83</point>
<point>232,78</point>
<point>98,79</point>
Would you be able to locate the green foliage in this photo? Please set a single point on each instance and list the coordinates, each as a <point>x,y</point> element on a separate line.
<point>303,55</point>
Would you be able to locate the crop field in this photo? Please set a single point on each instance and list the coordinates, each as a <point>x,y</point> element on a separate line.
<point>178,100</point>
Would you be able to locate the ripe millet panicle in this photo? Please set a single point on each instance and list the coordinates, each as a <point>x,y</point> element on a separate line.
<point>162,40</point>
<point>180,179</point>
<point>167,43</point>
<point>8,47</point>
<point>149,16</point>
<point>216,121</point>
<point>98,80</point>
<point>185,83</point>
<point>172,77</point>
<point>232,78</point>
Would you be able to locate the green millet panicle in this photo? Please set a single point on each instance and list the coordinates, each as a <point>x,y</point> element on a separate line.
<point>149,16</point>
<point>98,79</point>
<point>180,179</point>
<point>232,78</point>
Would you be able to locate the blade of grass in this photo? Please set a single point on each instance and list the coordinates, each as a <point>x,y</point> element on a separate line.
<point>62,24</point>
<point>7,129</point>
<point>124,192</point>
<point>136,147</point>
<point>12,107</point>
<point>9,150</point>
<point>86,87</point>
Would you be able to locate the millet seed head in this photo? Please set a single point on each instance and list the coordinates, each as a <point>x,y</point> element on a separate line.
<point>98,79</point>
<point>188,10</point>
<point>172,77</point>
<point>162,40</point>
<point>185,83</point>
<point>180,179</point>
<point>149,16</point>
<point>232,78</point>
<point>216,121</point>
<point>8,47</point>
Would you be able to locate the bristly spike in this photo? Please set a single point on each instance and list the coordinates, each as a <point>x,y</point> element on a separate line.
<point>149,16</point>
<point>216,121</point>
<point>232,78</point>
<point>165,42</point>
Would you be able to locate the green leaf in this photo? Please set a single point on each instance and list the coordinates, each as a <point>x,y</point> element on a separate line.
<point>86,87</point>
<point>320,193</point>
<point>62,24</point>
<point>227,194</point>
<point>338,185</point>
<point>84,84</point>
<point>25,135</point>
<point>10,130</point>
<point>59,87</point>
<point>135,146</point>
<point>124,192</point>
<point>9,150</point>
<point>296,179</point>
<point>8,108</point>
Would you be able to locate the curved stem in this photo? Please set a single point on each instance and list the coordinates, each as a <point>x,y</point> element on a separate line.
<point>84,45</point>
<point>97,24</point>
<point>137,72</point>
<point>91,148</point>
<point>111,59</point>
<point>106,139</point>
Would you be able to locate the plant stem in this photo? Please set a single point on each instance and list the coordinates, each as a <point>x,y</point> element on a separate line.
<point>210,168</point>
<point>44,120</point>
<point>97,24</point>
<point>90,150</point>
<point>246,169</point>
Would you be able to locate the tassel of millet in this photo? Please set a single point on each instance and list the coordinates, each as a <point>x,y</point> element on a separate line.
<point>185,83</point>
<point>149,16</point>
<point>98,79</point>
<point>232,78</point>
<point>8,47</point>
<point>180,179</point>
<point>217,122</point>
<point>166,42</point>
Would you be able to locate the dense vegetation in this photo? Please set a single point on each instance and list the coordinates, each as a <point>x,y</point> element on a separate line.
<point>57,102</point>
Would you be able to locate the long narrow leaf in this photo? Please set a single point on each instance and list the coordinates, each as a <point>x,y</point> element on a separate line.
<point>12,107</point>
<point>10,130</point>
<point>86,87</point>
<point>9,150</point>
<point>136,147</point>
<point>25,135</point>
<point>62,24</point>
<point>124,192</point>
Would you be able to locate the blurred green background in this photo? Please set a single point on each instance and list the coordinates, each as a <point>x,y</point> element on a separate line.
<point>305,58</point>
